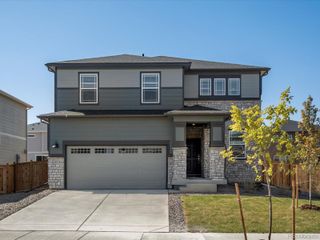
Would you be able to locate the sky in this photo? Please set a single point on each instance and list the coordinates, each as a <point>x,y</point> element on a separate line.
<point>282,35</point>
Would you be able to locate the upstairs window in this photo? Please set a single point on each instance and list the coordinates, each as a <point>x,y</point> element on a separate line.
<point>150,88</point>
<point>234,86</point>
<point>219,86</point>
<point>237,144</point>
<point>88,88</point>
<point>205,86</point>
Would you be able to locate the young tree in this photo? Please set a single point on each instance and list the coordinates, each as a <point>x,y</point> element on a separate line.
<point>308,141</point>
<point>261,131</point>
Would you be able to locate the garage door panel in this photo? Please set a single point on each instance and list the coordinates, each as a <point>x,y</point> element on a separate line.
<point>125,167</point>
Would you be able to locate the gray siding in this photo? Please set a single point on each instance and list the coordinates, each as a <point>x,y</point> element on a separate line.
<point>37,146</point>
<point>191,86</point>
<point>13,123</point>
<point>119,99</point>
<point>108,129</point>
<point>250,84</point>
<point>119,78</point>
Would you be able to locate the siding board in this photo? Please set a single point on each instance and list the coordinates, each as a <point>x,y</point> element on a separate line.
<point>119,99</point>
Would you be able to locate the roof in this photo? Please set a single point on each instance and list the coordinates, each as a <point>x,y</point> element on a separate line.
<point>291,126</point>
<point>37,127</point>
<point>198,110</point>
<point>103,113</point>
<point>7,95</point>
<point>192,64</point>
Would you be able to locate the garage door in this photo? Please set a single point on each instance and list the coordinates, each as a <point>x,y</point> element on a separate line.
<point>116,167</point>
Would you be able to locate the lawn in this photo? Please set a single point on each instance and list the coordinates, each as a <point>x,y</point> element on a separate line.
<point>220,213</point>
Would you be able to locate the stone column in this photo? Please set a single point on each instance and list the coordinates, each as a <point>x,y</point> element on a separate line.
<point>179,166</point>
<point>217,163</point>
<point>56,172</point>
<point>206,152</point>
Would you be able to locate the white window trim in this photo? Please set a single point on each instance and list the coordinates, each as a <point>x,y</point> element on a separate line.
<point>152,88</point>
<point>210,86</point>
<point>96,88</point>
<point>245,148</point>
<point>224,86</point>
<point>229,90</point>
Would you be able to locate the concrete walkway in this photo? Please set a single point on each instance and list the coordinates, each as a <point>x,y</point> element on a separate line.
<point>121,211</point>
<point>75,235</point>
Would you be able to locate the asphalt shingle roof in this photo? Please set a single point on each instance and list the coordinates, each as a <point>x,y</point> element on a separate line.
<point>194,64</point>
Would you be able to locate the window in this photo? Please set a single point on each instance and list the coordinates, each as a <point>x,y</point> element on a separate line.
<point>88,88</point>
<point>234,86</point>
<point>219,86</point>
<point>128,150</point>
<point>103,150</point>
<point>237,144</point>
<point>150,88</point>
<point>80,150</point>
<point>205,86</point>
<point>151,150</point>
<point>41,158</point>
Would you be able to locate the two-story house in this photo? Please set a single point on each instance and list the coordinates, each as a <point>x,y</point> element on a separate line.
<point>37,142</point>
<point>13,129</point>
<point>141,122</point>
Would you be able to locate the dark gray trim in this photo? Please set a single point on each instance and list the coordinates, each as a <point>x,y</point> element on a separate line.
<point>55,90</point>
<point>65,144</point>
<point>260,85</point>
<point>223,97</point>
<point>217,143</point>
<point>234,71</point>
<point>160,97</point>
<point>116,88</point>
<point>89,104</point>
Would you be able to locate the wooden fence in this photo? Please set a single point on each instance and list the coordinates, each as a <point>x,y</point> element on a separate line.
<point>282,179</point>
<point>23,176</point>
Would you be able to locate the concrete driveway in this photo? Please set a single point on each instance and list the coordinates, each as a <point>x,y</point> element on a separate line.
<point>123,211</point>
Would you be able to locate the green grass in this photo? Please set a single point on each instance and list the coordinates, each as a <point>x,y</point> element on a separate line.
<point>220,213</point>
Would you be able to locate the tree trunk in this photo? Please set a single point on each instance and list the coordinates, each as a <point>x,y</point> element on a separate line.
<point>310,188</point>
<point>270,207</point>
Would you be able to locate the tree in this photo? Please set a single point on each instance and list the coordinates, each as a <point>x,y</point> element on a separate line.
<point>263,136</point>
<point>307,140</point>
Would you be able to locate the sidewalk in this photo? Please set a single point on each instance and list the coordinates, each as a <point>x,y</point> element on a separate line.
<point>75,235</point>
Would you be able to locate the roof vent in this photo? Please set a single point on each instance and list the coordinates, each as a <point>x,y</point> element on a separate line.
<point>142,54</point>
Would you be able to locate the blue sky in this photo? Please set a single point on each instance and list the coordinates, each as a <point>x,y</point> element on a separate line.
<point>283,35</point>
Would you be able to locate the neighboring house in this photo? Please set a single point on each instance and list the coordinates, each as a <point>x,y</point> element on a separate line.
<point>13,129</point>
<point>37,142</point>
<point>130,121</point>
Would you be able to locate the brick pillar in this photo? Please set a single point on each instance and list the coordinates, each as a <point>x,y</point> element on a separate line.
<point>178,166</point>
<point>56,172</point>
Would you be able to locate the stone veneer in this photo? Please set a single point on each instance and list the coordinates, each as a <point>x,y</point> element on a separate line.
<point>177,166</point>
<point>56,172</point>
<point>234,172</point>
<point>206,152</point>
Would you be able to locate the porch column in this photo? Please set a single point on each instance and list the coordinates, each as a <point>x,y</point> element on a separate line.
<point>178,163</point>
<point>217,163</point>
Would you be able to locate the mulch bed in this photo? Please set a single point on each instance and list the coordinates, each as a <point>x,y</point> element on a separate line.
<point>310,207</point>
<point>13,202</point>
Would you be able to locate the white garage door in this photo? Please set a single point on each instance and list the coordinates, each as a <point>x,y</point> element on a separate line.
<point>116,167</point>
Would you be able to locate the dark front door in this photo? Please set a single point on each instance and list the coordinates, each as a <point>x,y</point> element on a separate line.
<point>194,157</point>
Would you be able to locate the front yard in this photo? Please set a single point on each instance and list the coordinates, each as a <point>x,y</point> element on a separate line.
<point>220,213</point>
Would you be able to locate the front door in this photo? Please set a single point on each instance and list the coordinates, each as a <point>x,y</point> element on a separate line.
<point>194,157</point>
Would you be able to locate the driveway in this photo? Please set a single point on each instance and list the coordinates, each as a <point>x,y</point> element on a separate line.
<point>101,210</point>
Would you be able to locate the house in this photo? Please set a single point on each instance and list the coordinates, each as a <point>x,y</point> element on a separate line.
<point>141,122</point>
<point>13,129</point>
<point>37,142</point>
